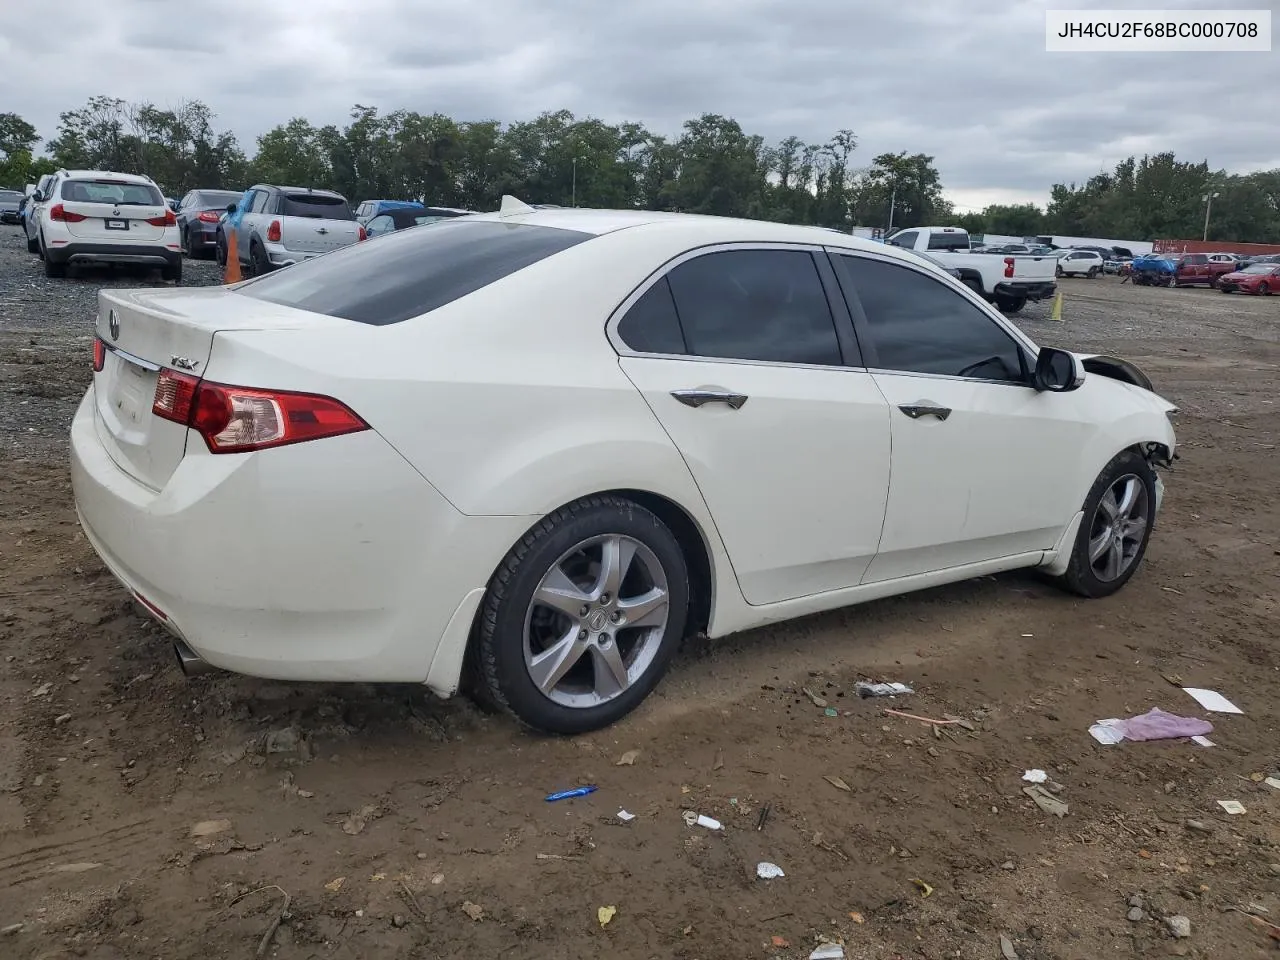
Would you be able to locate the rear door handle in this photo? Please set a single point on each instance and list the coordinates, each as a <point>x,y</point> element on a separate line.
<point>704,395</point>
<point>925,408</point>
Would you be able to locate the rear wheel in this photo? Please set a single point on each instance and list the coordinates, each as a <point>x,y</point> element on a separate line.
<point>583,616</point>
<point>172,271</point>
<point>1119,513</point>
<point>1093,273</point>
<point>33,246</point>
<point>259,264</point>
<point>184,243</point>
<point>220,250</point>
<point>54,269</point>
<point>1010,304</point>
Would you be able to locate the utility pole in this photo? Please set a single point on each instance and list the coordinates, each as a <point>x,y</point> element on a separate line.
<point>574,201</point>
<point>1208,199</point>
<point>893,200</point>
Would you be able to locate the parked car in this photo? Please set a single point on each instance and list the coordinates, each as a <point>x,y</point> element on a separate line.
<point>402,218</point>
<point>1196,268</point>
<point>1080,263</point>
<point>10,205</point>
<point>279,226</point>
<point>30,221</point>
<point>352,476</point>
<point>1153,270</point>
<point>199,213</point>
<point>1008,281</point>
<point>96,216</point>
<point>1118,264</point>
<point>371,208</point>
<point>1257,278</point>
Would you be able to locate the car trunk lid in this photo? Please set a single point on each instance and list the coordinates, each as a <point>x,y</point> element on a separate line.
<point>113,211</point>
<point>316,223</point>
<point>148,331</point>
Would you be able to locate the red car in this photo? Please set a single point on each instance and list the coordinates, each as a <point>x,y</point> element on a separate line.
<point>1201,268</point>
<point>1260,278</point>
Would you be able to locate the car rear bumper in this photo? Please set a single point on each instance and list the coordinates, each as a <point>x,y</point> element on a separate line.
<point>327,560</point>
<point>139,253</point>
<point>1031,289</point>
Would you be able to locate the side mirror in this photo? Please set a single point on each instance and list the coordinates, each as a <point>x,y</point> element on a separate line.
<point>231,208</point>
<point>37,196</point>
<point>1057,371</point>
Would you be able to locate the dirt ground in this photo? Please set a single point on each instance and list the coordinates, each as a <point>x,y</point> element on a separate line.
<point>360,822</point>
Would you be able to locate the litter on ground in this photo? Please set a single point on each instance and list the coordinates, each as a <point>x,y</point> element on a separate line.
<point>1212,701</point>
<point>768,871</point>
<point>1232,806</point>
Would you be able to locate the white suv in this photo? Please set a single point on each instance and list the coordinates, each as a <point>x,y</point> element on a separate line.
<point>1086,263</point>
<point>93,216</point>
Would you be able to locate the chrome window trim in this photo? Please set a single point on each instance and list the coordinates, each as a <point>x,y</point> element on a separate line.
<point>620,311</point>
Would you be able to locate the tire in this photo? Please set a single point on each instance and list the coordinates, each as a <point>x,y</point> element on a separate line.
<point>259,265</point>
<point>1222,289</point>
<point>1083,575</point>
<point>172,271</point>
<point>1093,273</point>
<point>1059,272</point>
<point>55,270</point>
<point>974,285</point>
<point>184,243</point>
<point>1264,289</point>
<point>33,246</point>
<point>1010,304</point>
<point>511,624</point>
<point>220,250</point>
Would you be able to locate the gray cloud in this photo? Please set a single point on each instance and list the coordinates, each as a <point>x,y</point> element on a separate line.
<point>968,82</point>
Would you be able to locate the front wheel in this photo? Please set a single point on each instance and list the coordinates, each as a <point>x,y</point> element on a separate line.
<point>1264,289</point>
<point>1119,513</point>
<point>583,616</point>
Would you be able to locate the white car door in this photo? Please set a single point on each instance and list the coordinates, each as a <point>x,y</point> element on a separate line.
<point>980,458</point>
<point>747,357</point>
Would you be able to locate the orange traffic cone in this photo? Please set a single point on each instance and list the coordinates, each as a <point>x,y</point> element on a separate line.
<point>231,274</point>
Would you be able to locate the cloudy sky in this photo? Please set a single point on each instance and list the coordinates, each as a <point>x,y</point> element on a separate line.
<point>967,81</point>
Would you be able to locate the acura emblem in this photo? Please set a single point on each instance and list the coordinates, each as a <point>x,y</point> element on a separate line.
<point>113,325</point>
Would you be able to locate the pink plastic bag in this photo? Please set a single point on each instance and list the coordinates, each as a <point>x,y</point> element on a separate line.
<point>1158,725</point>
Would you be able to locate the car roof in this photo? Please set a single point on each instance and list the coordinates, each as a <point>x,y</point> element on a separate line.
<point>106,175</point>
<point>701,228</point>
<point>319,191</point>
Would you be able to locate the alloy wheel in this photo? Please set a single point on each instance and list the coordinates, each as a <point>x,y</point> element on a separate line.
<point>596,621</point>
<point>1119,528</point>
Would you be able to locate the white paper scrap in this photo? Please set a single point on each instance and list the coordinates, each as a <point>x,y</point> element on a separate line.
<point>1231,806</point>
<point>624,816</point>
<point>1212,701</point>
<point>828,951</point>
<point>1035,776</point>
<point>1203,741</point>
<point>1106,733</point>
<point>769,871</point>
<point>1272,782</point>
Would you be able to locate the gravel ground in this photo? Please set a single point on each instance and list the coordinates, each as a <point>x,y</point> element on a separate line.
<point>144,815</point>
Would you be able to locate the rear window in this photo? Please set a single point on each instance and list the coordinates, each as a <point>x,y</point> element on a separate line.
<point>411,272</point>
<point>119,192</point>
<point>948,241</point>
<point>315,205</point>
<point>211,199</point>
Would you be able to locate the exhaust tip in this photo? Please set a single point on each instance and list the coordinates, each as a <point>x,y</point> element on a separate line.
<point>190,662</point>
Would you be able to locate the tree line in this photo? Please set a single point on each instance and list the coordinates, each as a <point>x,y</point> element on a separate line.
<point>713,166</point>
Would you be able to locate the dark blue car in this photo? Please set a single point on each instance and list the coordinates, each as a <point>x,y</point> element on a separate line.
<point>198,214</point>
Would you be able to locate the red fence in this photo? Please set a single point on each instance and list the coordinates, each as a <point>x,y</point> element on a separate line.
<point>1214,246</point>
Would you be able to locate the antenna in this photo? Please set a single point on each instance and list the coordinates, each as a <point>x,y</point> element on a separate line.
<point>512,207</point>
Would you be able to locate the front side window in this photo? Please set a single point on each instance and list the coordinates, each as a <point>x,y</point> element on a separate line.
<point>766,305</point>
<point>919,325</point>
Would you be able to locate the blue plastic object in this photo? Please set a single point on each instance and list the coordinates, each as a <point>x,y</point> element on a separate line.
<point>566,794</point>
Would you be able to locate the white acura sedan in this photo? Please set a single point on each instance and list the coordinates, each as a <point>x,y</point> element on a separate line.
<point>536,448</point>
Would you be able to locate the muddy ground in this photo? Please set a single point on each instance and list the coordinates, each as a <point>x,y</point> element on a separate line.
<point>380,822</point>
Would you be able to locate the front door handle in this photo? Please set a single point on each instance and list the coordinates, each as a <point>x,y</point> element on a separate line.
<point>699,397</point>
<point>925,408</point>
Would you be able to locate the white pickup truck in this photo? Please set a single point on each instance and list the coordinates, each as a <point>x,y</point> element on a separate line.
<point>1007,280</point>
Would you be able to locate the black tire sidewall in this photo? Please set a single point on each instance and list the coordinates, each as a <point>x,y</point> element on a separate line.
<point>502,620</point>
<point>1080,573</point>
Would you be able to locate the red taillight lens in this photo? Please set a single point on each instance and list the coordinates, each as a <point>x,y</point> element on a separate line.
<point>174,393</point>
<point>239,419</point>
<point>59,212</point>
<point>1008,266</point>
<point>207,216</point>
<point>166,220</point>
<point>273,231</point>
<point>99,354</point>
<point>364,234</point>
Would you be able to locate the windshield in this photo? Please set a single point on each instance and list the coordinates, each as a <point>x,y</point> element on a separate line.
<point>118,192</point>
<point>1260,268</point>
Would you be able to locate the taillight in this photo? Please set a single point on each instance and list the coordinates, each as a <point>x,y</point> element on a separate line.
<point>59,212</point>
<point>207,216</point>
<point>239,419</point>
<point>1008,266</point>
<point>363,234</point>
<point>166,220</point>
<point>99,354</point>
<point>273,231</point>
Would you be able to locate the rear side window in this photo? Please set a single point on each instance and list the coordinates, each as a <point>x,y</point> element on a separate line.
<point>907,240</point>
<point>118,192</point>
<point>315,205</point>
<point>411,272</point>
<point>652,324</point>
<point>765,305</point>
<point>948,241</point>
